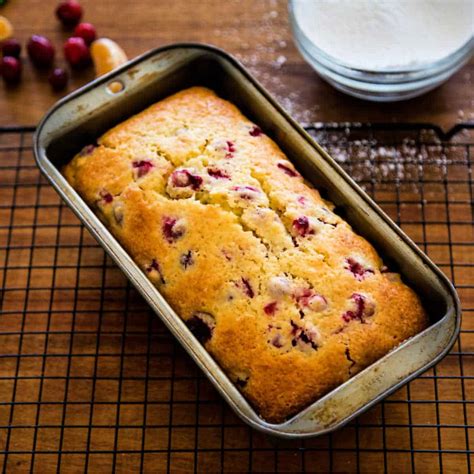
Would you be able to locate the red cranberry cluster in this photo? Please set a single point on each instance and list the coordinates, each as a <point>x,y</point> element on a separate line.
<point>247,288</point>
<point>154,267</point>
<point>287,169</point>
<point>361,308</point>
<point>202,325</point>
<point>142,167</point>
<point>183,178</point>
<point>301,226</point>
<point>357,269</point>
<point>173,228</point>
<point>41,50</point>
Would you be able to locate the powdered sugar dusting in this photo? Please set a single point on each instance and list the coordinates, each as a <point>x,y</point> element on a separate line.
<point>401,161</point>
<point>269,57</point>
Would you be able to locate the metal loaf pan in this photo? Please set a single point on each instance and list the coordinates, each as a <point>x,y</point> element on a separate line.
<point>83,116</point>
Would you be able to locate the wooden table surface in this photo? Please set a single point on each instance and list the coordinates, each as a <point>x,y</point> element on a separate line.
<point>91,380</point>
<point>256,31</point>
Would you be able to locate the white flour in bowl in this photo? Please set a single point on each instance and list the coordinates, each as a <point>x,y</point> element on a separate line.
<point>381,34</point>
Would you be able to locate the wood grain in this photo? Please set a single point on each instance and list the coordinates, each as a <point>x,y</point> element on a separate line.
<point>256,31</point>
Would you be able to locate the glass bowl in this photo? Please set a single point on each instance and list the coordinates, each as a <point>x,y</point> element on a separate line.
<point>383,85</point>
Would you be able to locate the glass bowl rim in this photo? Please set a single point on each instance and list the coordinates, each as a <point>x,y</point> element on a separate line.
<point>446,62</point>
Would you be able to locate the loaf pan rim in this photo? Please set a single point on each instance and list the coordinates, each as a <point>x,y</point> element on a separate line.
<point>259,423</point>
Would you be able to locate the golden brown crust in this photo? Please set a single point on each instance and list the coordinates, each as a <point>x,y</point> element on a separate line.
<point>288,299</point>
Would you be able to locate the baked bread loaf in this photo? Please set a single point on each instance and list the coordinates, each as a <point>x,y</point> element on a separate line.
<point>280,290</point>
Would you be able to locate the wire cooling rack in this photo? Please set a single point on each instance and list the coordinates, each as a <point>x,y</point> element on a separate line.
<point>91,380</point>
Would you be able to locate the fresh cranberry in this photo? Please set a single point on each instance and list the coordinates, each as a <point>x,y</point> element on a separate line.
<point>58,79</point>
<point>301,226</point>
<point>10,69</point>
<point>183,179</point>
<point>86,31</point>
<point>277,341</point>
<point>296,332</point>
<point>106,197</point>
<point>155,267</point>
<point>304,337</point>
<point>142,167</point>
<point>41,51</point>
<point>202,326</point>
<point>249,188</point>
<point>303,295</point>
<point>362,308</point>
<point>217,173</point>
<point>69,13</point>
<point>246,192</point>
<point>295,329</point>
<point>230,149</point>
<point>359,308</point>
<point>302,200</point>
<point>172,229</point>
<point>255,131</point>
<point>11,47</point>
<point>248,288</point>
<point>226,146</point>
<point>186,259</point>
<point>87,150</point>
<point>76,52</point>
<point>359,272</point>
<point>242,382</point>
<point>270,308</point>
<point>287,170</point>
<point>308,298</point>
